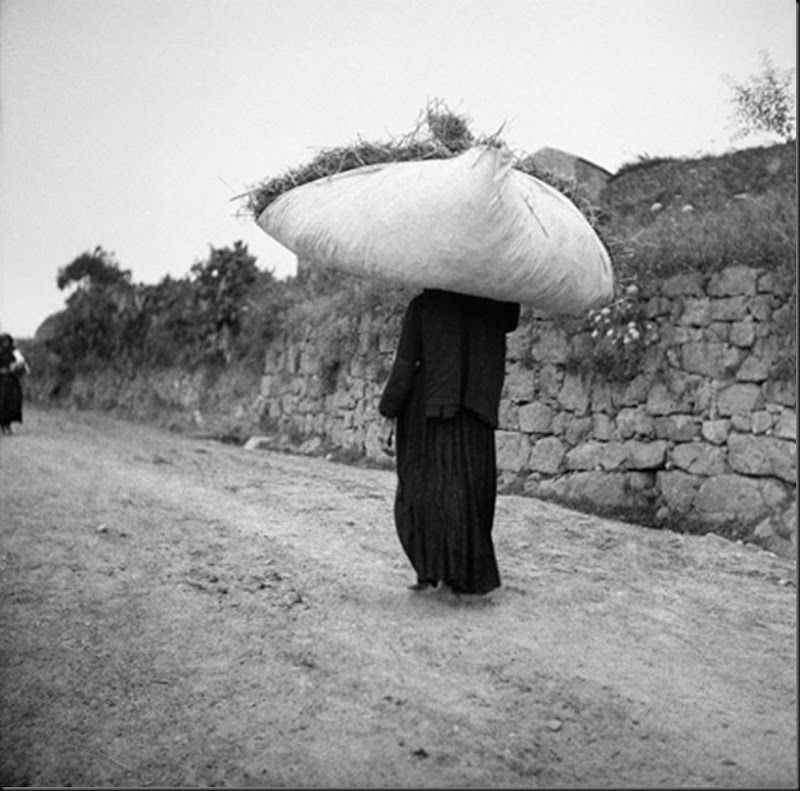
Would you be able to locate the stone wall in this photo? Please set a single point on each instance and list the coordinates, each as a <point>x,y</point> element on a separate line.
<point>702,438</point>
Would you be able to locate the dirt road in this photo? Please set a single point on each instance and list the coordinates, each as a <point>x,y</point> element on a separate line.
<point>181,612</point>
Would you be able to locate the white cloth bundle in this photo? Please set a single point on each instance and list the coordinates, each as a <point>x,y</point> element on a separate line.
<point>470,224</point>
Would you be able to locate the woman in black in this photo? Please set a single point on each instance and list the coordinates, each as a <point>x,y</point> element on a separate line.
<point>12,366</point>
<point>444,389</point>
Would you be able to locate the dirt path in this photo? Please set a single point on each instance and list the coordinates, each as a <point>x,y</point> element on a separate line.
<point>181,612</point>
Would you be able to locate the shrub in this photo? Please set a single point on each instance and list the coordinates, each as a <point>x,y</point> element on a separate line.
<point>620,335</point>
<point>765,102</point>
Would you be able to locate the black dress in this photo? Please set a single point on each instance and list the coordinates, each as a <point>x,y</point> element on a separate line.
<point>444,390</point>
<point>10,392</point>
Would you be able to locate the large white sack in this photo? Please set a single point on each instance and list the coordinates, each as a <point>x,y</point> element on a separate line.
<point>471,224</point>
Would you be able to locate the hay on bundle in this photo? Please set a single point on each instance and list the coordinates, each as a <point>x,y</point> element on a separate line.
<point>447,136</point>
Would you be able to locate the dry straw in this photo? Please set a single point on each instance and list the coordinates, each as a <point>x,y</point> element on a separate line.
<point>439,134</point>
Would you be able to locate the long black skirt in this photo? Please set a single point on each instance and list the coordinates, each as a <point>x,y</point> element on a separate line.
<point>10,399</point>
<point>445,500</point>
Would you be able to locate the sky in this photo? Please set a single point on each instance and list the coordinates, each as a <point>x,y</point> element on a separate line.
<point>131,124</point>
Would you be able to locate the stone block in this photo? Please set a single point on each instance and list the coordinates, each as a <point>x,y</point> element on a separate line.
<point>692,392</point>
<point>636,390</point>
<point>715,431</point>
<point>603,396</point>
<point>577,430</point>
<point>730,308</point>
<point>785,521</point>
<point>786,424</point>
<point>781,392</point>
<point>615,455</point>
<point>760,455</point>
<point>754,369</point>
<point>739,399</point>
<point>547,455</point>
<point>634,422</point>
<point>661,401</point>
<point>373,446</point>
<point>714,360</point>
<point>536,418</point>
<point>581,346</point>
<point>717,332</point>
<point>766,536</point>
<point>732,281</point>
<point>513,450</point>
<point>696,312</point>
<point>757,367</point>
<point>698,458</point>
<point>776,283</point>
<point>508,416</point>
<point>681,335</point>
<point>652,361</point>
<point>519,384</point>
<point>743,334</point>
<point>574,394</point>
<point>686,284</point>
<point>645,455</point>
<point>774,492</point>
<point>678,489</point>
<point>550,345</point>
<point>678,428</point>
<point>728,497</point>
<point>741,422</point>
<point>761,422</point>
<point>587,456</point>
<point>761,307</point>
<point>550,378</point>
<point>603,427</point>
<point>518,344</point>
<point>601,491</point>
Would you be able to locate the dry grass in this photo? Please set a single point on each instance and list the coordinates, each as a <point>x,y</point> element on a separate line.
<point>438,134</point>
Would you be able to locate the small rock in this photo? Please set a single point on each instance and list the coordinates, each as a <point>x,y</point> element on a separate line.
<point>554,725</point>
<point>258,443</point>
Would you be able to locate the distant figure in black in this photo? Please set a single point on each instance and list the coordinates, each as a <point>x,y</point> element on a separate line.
<point>444,389</point>
<point>12,366</point>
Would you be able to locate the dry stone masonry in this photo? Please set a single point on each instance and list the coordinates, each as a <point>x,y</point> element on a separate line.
<point>703,437</point>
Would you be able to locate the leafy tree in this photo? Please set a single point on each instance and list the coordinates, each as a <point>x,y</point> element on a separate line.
<point>97,269</point>
<point>93,326</point>
<point>225,309</point>
<point>222,284</point>
<point>765,102</point>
